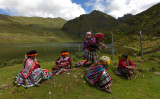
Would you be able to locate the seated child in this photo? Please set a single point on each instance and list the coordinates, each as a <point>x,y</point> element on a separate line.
<point>63,64</point>
<point>125,67</point>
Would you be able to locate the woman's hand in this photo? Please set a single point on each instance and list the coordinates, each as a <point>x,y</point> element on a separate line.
<point>99,48</point>
<point>104,46</point>
<point>131,67</point>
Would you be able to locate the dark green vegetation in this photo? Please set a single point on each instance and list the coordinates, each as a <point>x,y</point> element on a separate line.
<point>148,22</point>
<point>145,83</point>
<point>96,21</point>
<point>126,33</point>
<point>31,29</point>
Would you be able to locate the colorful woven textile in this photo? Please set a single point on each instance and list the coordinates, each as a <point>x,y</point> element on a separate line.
<point>90,55</point>
<point>105,60</point>
<point>34,78</point>
<point>78,64</point>
<point>98,75</point>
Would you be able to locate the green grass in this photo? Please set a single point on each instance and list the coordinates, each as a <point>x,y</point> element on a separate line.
<point>15,29</point>
<point>22,38</point>
<point>73,84</point>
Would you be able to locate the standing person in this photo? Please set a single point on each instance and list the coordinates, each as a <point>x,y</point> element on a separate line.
<point>88,40</point>
<point>63,63</point>
<point>90,53</point>
<point>31,73</point>
<point>97,74</point>
<point>125,67</point>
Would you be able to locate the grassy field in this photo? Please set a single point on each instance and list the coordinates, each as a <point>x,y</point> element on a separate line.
<point>14,29</point>
<point>145,84</point>
<point>150,44</point>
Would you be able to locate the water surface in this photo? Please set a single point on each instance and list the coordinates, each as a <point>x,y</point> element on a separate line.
<point>48,51</point>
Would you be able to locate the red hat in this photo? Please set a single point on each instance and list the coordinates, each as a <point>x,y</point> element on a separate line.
<point>99,35</point>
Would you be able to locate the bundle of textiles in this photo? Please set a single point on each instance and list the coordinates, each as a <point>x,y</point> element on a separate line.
<point>80,63</point>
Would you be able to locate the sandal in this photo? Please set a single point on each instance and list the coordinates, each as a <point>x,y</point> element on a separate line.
<point>108,90</point>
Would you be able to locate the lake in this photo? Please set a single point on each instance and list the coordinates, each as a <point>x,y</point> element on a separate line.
<point>47,51</point>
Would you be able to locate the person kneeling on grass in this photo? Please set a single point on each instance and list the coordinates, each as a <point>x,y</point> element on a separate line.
<point>31,73</point>
<point>97,74</point>
<point>125,67</point>
<point>63,64</point>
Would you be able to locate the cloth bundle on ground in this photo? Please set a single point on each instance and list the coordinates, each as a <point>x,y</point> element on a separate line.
<point>63,64</point>
<point>97,73</point>
<point>31,73</point>
<point>80,63</point>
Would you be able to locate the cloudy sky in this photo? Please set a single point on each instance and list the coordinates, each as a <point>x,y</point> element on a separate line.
<point>69,9</point>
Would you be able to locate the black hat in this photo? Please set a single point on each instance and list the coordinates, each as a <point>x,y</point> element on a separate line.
<point>64,51</point>
<point>32,52</point>
<point>125,55</point>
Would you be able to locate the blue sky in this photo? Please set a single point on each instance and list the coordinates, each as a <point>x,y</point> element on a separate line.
<point>82,3</point>
<point>5,12</point>
<point>69,9</point>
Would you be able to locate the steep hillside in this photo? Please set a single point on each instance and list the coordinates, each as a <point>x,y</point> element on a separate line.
<point>148,22</point>
<point>96,21</point>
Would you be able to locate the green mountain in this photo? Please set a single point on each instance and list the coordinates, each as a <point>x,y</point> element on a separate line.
<point>125,33</point>
<point>148,22</point>
<point>35,29</point>
<point>95,22</point>
<point>31,29</point>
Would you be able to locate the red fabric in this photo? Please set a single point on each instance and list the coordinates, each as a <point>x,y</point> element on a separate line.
<point>57,61</point>
<point>99,35</point>
<point>32,68</point>
<point>69,61</point>
<point>37,65</point>
<point>121,63</point>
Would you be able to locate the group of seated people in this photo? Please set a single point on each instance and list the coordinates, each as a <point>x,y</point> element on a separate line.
<point>31,73</point>
<point>97,75</point>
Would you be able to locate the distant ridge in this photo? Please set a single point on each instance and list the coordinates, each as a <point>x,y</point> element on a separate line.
<point>96,21</point>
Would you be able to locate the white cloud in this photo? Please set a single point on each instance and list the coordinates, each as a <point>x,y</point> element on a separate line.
<point>118,8</point>
<point>43,8</point>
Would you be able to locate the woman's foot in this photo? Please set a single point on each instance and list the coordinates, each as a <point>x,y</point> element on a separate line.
<point>18,85</point>
<point>108,90</point>
<point>37,85</point>
<point>129,77</point>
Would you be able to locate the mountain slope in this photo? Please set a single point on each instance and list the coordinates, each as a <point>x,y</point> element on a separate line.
<point>31,29</point>
<point>148,22</point>
<point>95,22</point>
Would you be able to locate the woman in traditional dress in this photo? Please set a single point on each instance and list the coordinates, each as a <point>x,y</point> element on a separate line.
<point>97,74</point>
<point>63,63</point>
<point>125,67</point>
<point>91,47</point>
<point>31,73</point>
